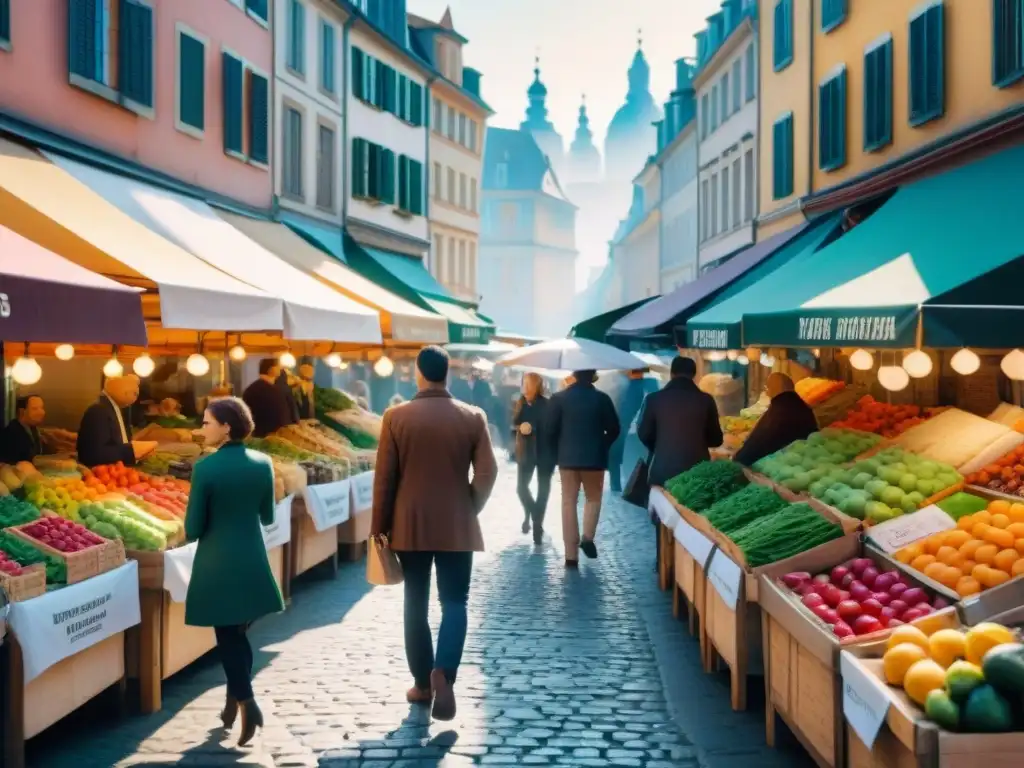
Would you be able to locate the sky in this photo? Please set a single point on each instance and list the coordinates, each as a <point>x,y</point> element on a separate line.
<point>585,46</point>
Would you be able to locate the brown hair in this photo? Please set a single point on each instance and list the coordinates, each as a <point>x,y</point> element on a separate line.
<point>233,412</point>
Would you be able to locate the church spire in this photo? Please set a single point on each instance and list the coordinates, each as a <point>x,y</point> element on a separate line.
<point>639,71</point>
<point>537,111</point>
<point>584,136</point>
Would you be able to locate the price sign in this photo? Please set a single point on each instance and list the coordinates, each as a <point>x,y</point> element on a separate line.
<point>865,701</point>
<point>178,570</point>
<point>903,531</point>
<point>362,492</point>
<point>726,577</point>
<point>696,543</point>
<point>279,532</point>
<point>328,504</point>
<point>659,505</point>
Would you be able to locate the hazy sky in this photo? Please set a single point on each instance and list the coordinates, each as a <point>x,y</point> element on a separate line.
<point>584,46</point>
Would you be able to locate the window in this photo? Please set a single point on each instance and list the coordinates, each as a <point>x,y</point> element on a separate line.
<point>258,9</point>
<point>410,185</point>
<point>100,33</point>
<point>782,157</point>
<point>737,85</point>
<point>5,25</point>
<point>878,95</point>
<point>832,122</point>
<point>725,97</point>
<point>704,116</point>
<point>927,65</point>
<point>191,116</point>
<point>782,52</point>
<point>471,281</point>
<point>736,192</point>
<point>451,186</point>
<point>473,128</point>
<point>450,133</point>
<point>452,267</point>
<point>501,176</point>
<point>462,191</point>
<point>439,257</point>
<point>259,118</point>
<point>373,171</point>
<point>463,271</point>
<point>725,199</point>
<point>463,139</point>
<point>749,65</point>
<point>748,186</point>
<point>472,195</point>
<point>326,56</point>
<point>233,79</point>
<point>437,181</point>
<point>833,13</point>
<point>705,211</point>
<point>714,205</point>
<point>714,107</point>
<point>360,167</point>
<point>296,46</point>
<point>325,168</point>
<point>438,115</point>
<point>291,167</point>
<point>1008,45</point>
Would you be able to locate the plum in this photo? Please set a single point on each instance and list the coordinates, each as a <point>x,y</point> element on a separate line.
<point>910,615</point>
<point>882,597</point>
<point>794,580</point>
<point>898,606</point>
<point>897,589</point>
<point>871,607</point>
<point>939,603</point>
<point>865,625</point>
<point>894,623</point>
<point>813,599</point>
<point>832,595</point>
<point>838,574</point>
<point>849,610</point>
<point>914,595</point>
<point>868,576</point>
<point>924,608</point>
<point>859,565</point>
<point>886,615</point>
<point>885,581</point>
<point>859,591</point>
<point>841,629</point>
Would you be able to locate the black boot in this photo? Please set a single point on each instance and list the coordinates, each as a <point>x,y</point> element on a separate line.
<point>227,716</point>
<point>252,719</point>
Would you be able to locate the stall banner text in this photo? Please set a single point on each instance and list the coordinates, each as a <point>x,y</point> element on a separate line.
<point>362,493</point>
<point>279,533</point>
<point>59,624</point>
<point>328,504</point>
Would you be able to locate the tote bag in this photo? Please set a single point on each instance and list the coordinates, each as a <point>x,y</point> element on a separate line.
<point>382,566</point>
<point>638,488</point>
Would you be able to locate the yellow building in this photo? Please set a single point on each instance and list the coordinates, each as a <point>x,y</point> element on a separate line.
<point>857,97</point>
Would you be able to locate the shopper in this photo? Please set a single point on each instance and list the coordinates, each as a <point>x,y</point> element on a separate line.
<point>232,584</point>
<point>267,400</point>
<point>787,419</point>
<point>426,504</point>
<point>582,425</point>
<point>632,397</point>
<point>533,454</point>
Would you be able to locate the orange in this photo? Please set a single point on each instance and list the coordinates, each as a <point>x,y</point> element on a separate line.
<point>956,539</point>
<point>980,572</point>
<point>999,537</point>
<point>956,560</point>
<point>966,523</point>
<point>1017,529</point>
<point>980,529</point>
<point>904,555</point>
<point>986,553</point>
<point>1000,521</point>
<point>984,516</point>
<point>921,678</point>
<point>898,660</point>
<point>984,637</point>
<point>922,561</point>
<point>934,569</point>
<point>907,633</point>
<point>1016,512</point>
<point>946,646</point>
<point>949,576</point>
<point>1018,568</point>
<point>967,566</point>
<point>968,585</point>
<point>945,552</point>
<point>914,550</point>
<point>999,507</point>
<point>1005,559</point>
<point>968,548</point>
<point>995,578</point>
<point>934,542</point>
<point>1019,545</point>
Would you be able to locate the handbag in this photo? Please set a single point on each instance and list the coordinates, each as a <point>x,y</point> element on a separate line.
<point>382,566</point>
<point>638,488</point>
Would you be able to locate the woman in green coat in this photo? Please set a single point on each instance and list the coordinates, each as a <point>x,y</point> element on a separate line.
<point>232,584</point>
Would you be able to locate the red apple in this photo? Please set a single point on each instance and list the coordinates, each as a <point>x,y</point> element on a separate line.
<point>859,592</point>
<point>859,565</point>
<point>865,625</point>
<point>886,615</point>
<point>913,596</point>
<point>898,606</point>
<point>894,623</point>
<point>868,576</point>
<point>794,580</point>
<point>910,615</point>
<point>939,603</point>
<point>897,589</point>
<point>841,629</point>
<point>813,599</point>
<point>924,608</point>
<point>838,574</point>
<point>832,596</point>
<point>849,610</point>
<point>882,597</point>
<point>884,581</point>
<point>871,607</point>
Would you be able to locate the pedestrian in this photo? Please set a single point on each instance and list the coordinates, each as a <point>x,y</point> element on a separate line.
<point>232,584</point>
<point>787,420</point>
<point>629,406</point>
<point>533,454</point>
<point>582,425</point>
<point>427,506</point>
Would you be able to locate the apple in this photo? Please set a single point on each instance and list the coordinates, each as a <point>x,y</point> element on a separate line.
<point>886,614</point>
<point>893,623</point>
<point>813,599</point>
<point>939,603</point>
<point>832,595</point>
<point>897,589</point>
<point>830,616</point>
<point>821,578</point>
<point>859,592</point>
<point>924,608</point>
<point>841,629</point>
<point>910,615</point>
<point>838,574</point>
<point>843,595</point>
<point>794,580</point>
<point>899,607</point>
<point>871,607</point>
<point>859,565</point>
<point>885,581</point>
<point>868,576</point>
<point>914,595</point>
<point>882,597</point>
<point>865,625</point>
<point>849,610</point>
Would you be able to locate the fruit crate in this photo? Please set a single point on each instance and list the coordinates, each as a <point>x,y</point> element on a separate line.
<point>83,564</point>
<point>31,582</point>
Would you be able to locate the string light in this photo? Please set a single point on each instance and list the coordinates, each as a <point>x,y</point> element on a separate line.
<point>237,353</point>
<point>113,368</point>
<point>965,362</point>
<point>197,365</point>
<point>64,352</point>
<point>862,360</point>
<point>384,367</point>
<point>26,371</point>
<point>143,366</point>
<point>893,378</point>
<point>917,364</point>
<point>1013,365</point>
<point>287,359</point>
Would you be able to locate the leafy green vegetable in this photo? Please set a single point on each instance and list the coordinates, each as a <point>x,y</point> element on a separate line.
<point>744,506</point>
<point>327,399</point>
<point>706,483</point>
<point>794,529</point>
<point>355,437</point>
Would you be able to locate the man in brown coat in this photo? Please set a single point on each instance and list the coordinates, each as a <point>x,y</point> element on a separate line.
<point>426,504</point>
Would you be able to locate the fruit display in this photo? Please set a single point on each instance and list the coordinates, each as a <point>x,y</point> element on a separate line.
<point>1004,475</point>
<point>857,597</point>
<point>707,482</point>
<point>167,492</point>
<point>985,549</point>
<point>23,553</point>
<point>56,440</point>
<point>960,504</point>
<point>15,512</point>
<point>814,391</point>
<point>736,429</point>
<point>13,476</point>
<point>870,415</point>
<point>8,566</point>
<point>137,528</point>
<point>310,439</point>
<point>62,535</point>
<point>969,680</point>
<point>361,428</point>
<point>756,410</point>
<point>954,437</point>
<point>804,462</point>
<point>794,529</point>
<point>746,505</point>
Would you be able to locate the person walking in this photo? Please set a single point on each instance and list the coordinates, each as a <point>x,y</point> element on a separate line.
<point>582,425</point>
<point>232,584</point>
<point>631,400</point>
<point>533,454</point>
<point>427,506</point>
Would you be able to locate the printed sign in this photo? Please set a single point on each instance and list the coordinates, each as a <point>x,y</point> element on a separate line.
<point>848,329</point>
<point>178,570</point>
<point>905,530</point>
<point>362,493</point>
<point>696,543</point>
<point>279,532</point>
<point>726,576</point>
<point>865,701</point>
<point>709,338</point>
<point>659,505</point>
<point>59,624</point>
<point>328,504</point>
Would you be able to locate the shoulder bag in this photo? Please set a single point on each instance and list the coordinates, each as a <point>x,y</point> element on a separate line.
<point>382,566</point>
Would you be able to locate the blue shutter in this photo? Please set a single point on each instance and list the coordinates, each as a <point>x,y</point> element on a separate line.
<point>191,81</point>
<point>359,150</point>
<point>259,118</point>
<point>83,40</point>
<point>135,53</point>
<point>416,93</point>
<point>782,158</point>
<point>833,13</point>
<point>403,183</point>
<point>327,57</point>
<point>416,187</point>
<point>832,123</point>
<point>258,8</point>
<point>375,152</point>
<point>1007,41</point>
<point>751,73</point>
<point>878,97</point>
<point>403,97</point>
<point>232,86</point>
<point>927,65</point>
<point>297,37</point>
<point>359,74</point>
<point>377,97</point>
<point>5,21</point>
<point>782,51</point>
<point>387,177</point>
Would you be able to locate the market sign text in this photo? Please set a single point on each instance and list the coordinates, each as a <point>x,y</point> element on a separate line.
<point>841,329</point>
<point>708,338</point>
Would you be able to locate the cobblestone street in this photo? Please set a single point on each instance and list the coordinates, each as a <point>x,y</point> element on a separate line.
<point>581,668</point>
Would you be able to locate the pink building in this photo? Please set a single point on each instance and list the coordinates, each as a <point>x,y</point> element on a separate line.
<point>179,86</point>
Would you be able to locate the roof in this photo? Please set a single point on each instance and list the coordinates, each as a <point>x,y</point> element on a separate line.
<point>421,47</point>
<point>383,37</point>
<point>527,166</point>
<point>444,26</point>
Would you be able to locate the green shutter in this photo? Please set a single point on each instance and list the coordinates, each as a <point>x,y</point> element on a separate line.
<point>232,86</point>
<point>833,13</point>
<point>327,56</point>
<point>782,157</point>
<point>297,37</point>
<point>878,97</point>
<point>359,74</point>
<point>782,50</point>
<point>416,116</point>
<point>416,187</point>
<point>390,90</point>
<point>259,118</point>
<point>832,123</point>
<point>1007,42</point>
<point>135,53</point>
<point>5,21</point>
<point>377,94</point>
<point>387,177</point>
<point>359,158</point>
<point>375,153</point>
<point>257,8</point>
<point>927,65</point>
<point>191,81</point>
<point>403,183</point>
<point>84,47</point>
<point>403,97</point>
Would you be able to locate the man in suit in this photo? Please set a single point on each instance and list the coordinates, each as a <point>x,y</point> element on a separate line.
<point>427,505</point>
<point>105,434</point>
<point>20,439</point>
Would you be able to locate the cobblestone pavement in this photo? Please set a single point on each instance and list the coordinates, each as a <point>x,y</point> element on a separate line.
<point>582,668</point>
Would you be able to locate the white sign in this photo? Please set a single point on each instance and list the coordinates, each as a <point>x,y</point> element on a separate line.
<point>696,543</point>
<point>279,532</point>
<point>362,492</point>
<point>902,531</point>
<point>865,701</point>
<point>61,623</point>
<point>178,570</point>
<point>328,504</point>
<point>659,505</point>
<point>726,577</point>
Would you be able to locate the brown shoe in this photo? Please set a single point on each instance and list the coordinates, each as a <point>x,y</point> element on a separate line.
<point>252,719</point>
<point>417,695</point>
<point>444,696</point>
<point>230,711</point>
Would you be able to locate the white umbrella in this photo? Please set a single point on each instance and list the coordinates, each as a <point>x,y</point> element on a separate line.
<point>483,364</point>
<point>573,355</point>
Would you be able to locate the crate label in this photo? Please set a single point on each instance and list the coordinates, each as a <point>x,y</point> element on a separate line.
<point>328,504</point>
<point>279,532</point>
<point>659,505</point>
<point>362,492</point>
<point>696,543</point>
<point>726,577</point>
<point>903,531</point>
<point>865,702</point>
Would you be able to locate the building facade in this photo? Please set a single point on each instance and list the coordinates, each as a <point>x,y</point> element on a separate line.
<point>458,118</point>
<point>726,83</point>
<point>637,248</point>
<point>181,89</point>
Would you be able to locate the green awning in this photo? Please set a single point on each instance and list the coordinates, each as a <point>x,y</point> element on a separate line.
<point>720,325</point>
<point>870,287</point>
<point>465,326</point>
<point>596,328</point>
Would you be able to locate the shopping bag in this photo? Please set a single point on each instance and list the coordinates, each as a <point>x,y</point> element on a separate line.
<point>637,488</point>
<point>382,566</point>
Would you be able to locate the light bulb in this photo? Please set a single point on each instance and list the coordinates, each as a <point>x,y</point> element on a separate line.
<point>716,357</point>
<point>26,371</point>
<point>1013,365</point>
<point>384,367</point>
<point>743,361</point>
<point>767,360</point>
<point>197,365</point>
<point>343,366</point>
<point>333,360</point>
<point>893,378</point>
<point>143,366</point>
<point>917,364</point>
<point>732,354</point>
<point>965,362</point>
<point>287,359</point>
<point>112,368</point>
<point>862,360</point>
<point>237,353</point>
<point>816,352</point>
<point>64,352</point>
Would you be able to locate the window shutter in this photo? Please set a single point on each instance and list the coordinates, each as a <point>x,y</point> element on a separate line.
<point>377,97</point>
<point>416,103</point>
<point>82,39</point>
<point>259,118</point>
<point>191,81</point>
<point>374,175</point>
<point>391,91</point>
<point>297,38</point>
<point>5,21</point>
<point>878,97</point>
<point>927,65</point>
<point>232,85</point>
<point>403,182</point>
<point>782,50</point>
<point>359,151</point>
<point>327,57</point>
<point>387,170</point>
<point>833,13</point>
<point>359,74</point>
<point>832,123</point>
<point>257,8</point>
<point>403,97</point>
<point>135,54</point>
<point>416,187</point>
<point>1007,42</point>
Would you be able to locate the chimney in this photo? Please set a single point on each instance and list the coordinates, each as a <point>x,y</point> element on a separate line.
<point>702,46</point>
<point>471,80</point>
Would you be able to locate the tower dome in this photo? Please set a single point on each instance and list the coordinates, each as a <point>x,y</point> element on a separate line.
<point>584,157</point>
<point>631,134</point>
<point>537,122</point>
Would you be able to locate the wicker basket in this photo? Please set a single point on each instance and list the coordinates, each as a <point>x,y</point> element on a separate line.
<point>31,583</point>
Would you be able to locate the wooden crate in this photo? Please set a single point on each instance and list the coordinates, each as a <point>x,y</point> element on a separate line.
<point>31,583</point>
<point>691,583</point>
<point>356,530</point>
<point>310,547</point>
<point>666,556</point>
<point>80,565</point>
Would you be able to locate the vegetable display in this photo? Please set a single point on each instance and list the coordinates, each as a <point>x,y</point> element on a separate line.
<point>24,554</point>
<point>361,428</point>
<point>15,512</point>
<point>804,462</point>
<point>794,529</point>
<point>870,415</point>
<point>744,506</point>
<point>9,566</point>
<point>137,528</point>
<point>62,535</point>
<point>1005,474</point>
<point>706,483</point>
<point>329,399</point>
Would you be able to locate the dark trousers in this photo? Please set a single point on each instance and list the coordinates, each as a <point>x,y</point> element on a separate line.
<point>236,656</point>
<point>534,508</point>
<point>453,574</point>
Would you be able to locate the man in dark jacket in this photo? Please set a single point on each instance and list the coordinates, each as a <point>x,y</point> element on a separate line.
<point>20,440</point>
<point>787,419</point>
<point>678,424</point>
<point>582,424</point>
<point>533,454</point>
